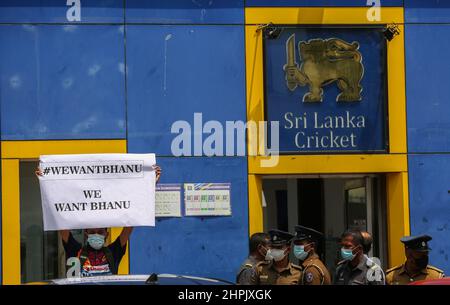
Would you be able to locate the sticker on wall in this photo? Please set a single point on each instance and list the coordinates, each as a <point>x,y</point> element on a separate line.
<point>168,200</point>
<point>207,199</point>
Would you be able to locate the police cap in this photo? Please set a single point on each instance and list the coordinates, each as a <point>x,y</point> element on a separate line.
<point>279,238</point>
<point>303,233</point>
<point>418,243</point>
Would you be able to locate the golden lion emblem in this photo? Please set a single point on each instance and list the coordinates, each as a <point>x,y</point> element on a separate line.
<point>324,62</point>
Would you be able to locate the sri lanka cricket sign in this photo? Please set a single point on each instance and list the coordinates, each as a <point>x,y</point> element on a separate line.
<point>327,89</point>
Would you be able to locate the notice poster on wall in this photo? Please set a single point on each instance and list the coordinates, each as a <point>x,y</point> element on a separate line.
<point>168,200</point>
<point>97,191</point>
<point>207,199</point>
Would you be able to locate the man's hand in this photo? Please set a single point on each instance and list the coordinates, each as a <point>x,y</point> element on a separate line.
<point>38,172</point>
<point>157,172</point>
<point>65,235</point>
<point>125,235</point>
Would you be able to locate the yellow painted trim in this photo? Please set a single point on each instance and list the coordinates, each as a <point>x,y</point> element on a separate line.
<point>124,267</point>
<point>330,164</point>
<point>397,93</point>
<point>10,222</point>
<point>394,163</point>
<point>255,81</point>
<point>33,149</point>
<point>255,210</point>
<point>12,152</point>
<point>395,58</point>
<point>255,112</point>
<point>320,15</point>
<point>398,216</point>
<point>255,90</point>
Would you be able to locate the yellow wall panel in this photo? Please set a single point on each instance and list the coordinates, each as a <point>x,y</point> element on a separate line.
<point>124,267</point>
<point>394,164</point>
<point>12,153</point>
<point>330,164</point>
<point>398,216</point>
<point>10,222</point>
<point>255,210</point>
<point>33,149</point>
<point>320,15</point>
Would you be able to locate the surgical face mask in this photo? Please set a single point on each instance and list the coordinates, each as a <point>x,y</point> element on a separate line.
<point>277,254</point>
<point>268,256</point>
<point>300,253</point>
<point>96,241</point>
<point>347,254</point>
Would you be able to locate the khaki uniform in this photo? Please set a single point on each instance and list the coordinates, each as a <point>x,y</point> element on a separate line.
<point>266,274</point>
<point>399,276</point>
<point>315,272</point>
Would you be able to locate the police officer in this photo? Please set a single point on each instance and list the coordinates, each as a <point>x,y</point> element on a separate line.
<point>278,270</point>
<point>258,244</point>
<point>355,268</point>
<point>305,245</point>
<point>416,266</point>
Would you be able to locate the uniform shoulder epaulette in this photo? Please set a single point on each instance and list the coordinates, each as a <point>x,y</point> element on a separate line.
<point>297,266</point>
<point>248,265</point>
<point>315,266</point>
<point>394,268</point>
<point>318,268</point>
<point>435,269</point>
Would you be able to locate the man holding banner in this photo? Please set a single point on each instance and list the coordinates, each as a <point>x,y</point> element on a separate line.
<point>105,181</point>
<point>96,258</point>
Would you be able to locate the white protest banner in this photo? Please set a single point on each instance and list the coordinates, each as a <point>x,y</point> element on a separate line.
<point>97,190</point>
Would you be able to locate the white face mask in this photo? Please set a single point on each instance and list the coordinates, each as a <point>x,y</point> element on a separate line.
<point>96,241</point>
<point>277,254</point>
<point>269,256</point>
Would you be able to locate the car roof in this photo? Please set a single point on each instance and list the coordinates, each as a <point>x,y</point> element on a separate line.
<point>443,281</point>
<point>163,279</point>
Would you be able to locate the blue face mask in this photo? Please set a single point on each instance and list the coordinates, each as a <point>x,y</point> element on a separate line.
<point>347,254</point>
<point>300,253</point>
<point>96,241</point>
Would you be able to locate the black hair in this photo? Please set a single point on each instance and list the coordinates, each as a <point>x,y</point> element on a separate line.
<point>106,230</point>
<point>257,239</point>
<point>358,239</point>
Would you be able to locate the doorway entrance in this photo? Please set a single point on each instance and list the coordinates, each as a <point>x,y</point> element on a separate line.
<point>330,204</point>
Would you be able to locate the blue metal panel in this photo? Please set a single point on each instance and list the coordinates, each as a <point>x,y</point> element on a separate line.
<point>319,3</point>
<point>62,82</point>
<point>185,11</point>
<point>428,11</point>
<point>429,184</point>
<point>427,88</point>
<point>175,71</point>
<point>202,246</point>
<point>55,11</point>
